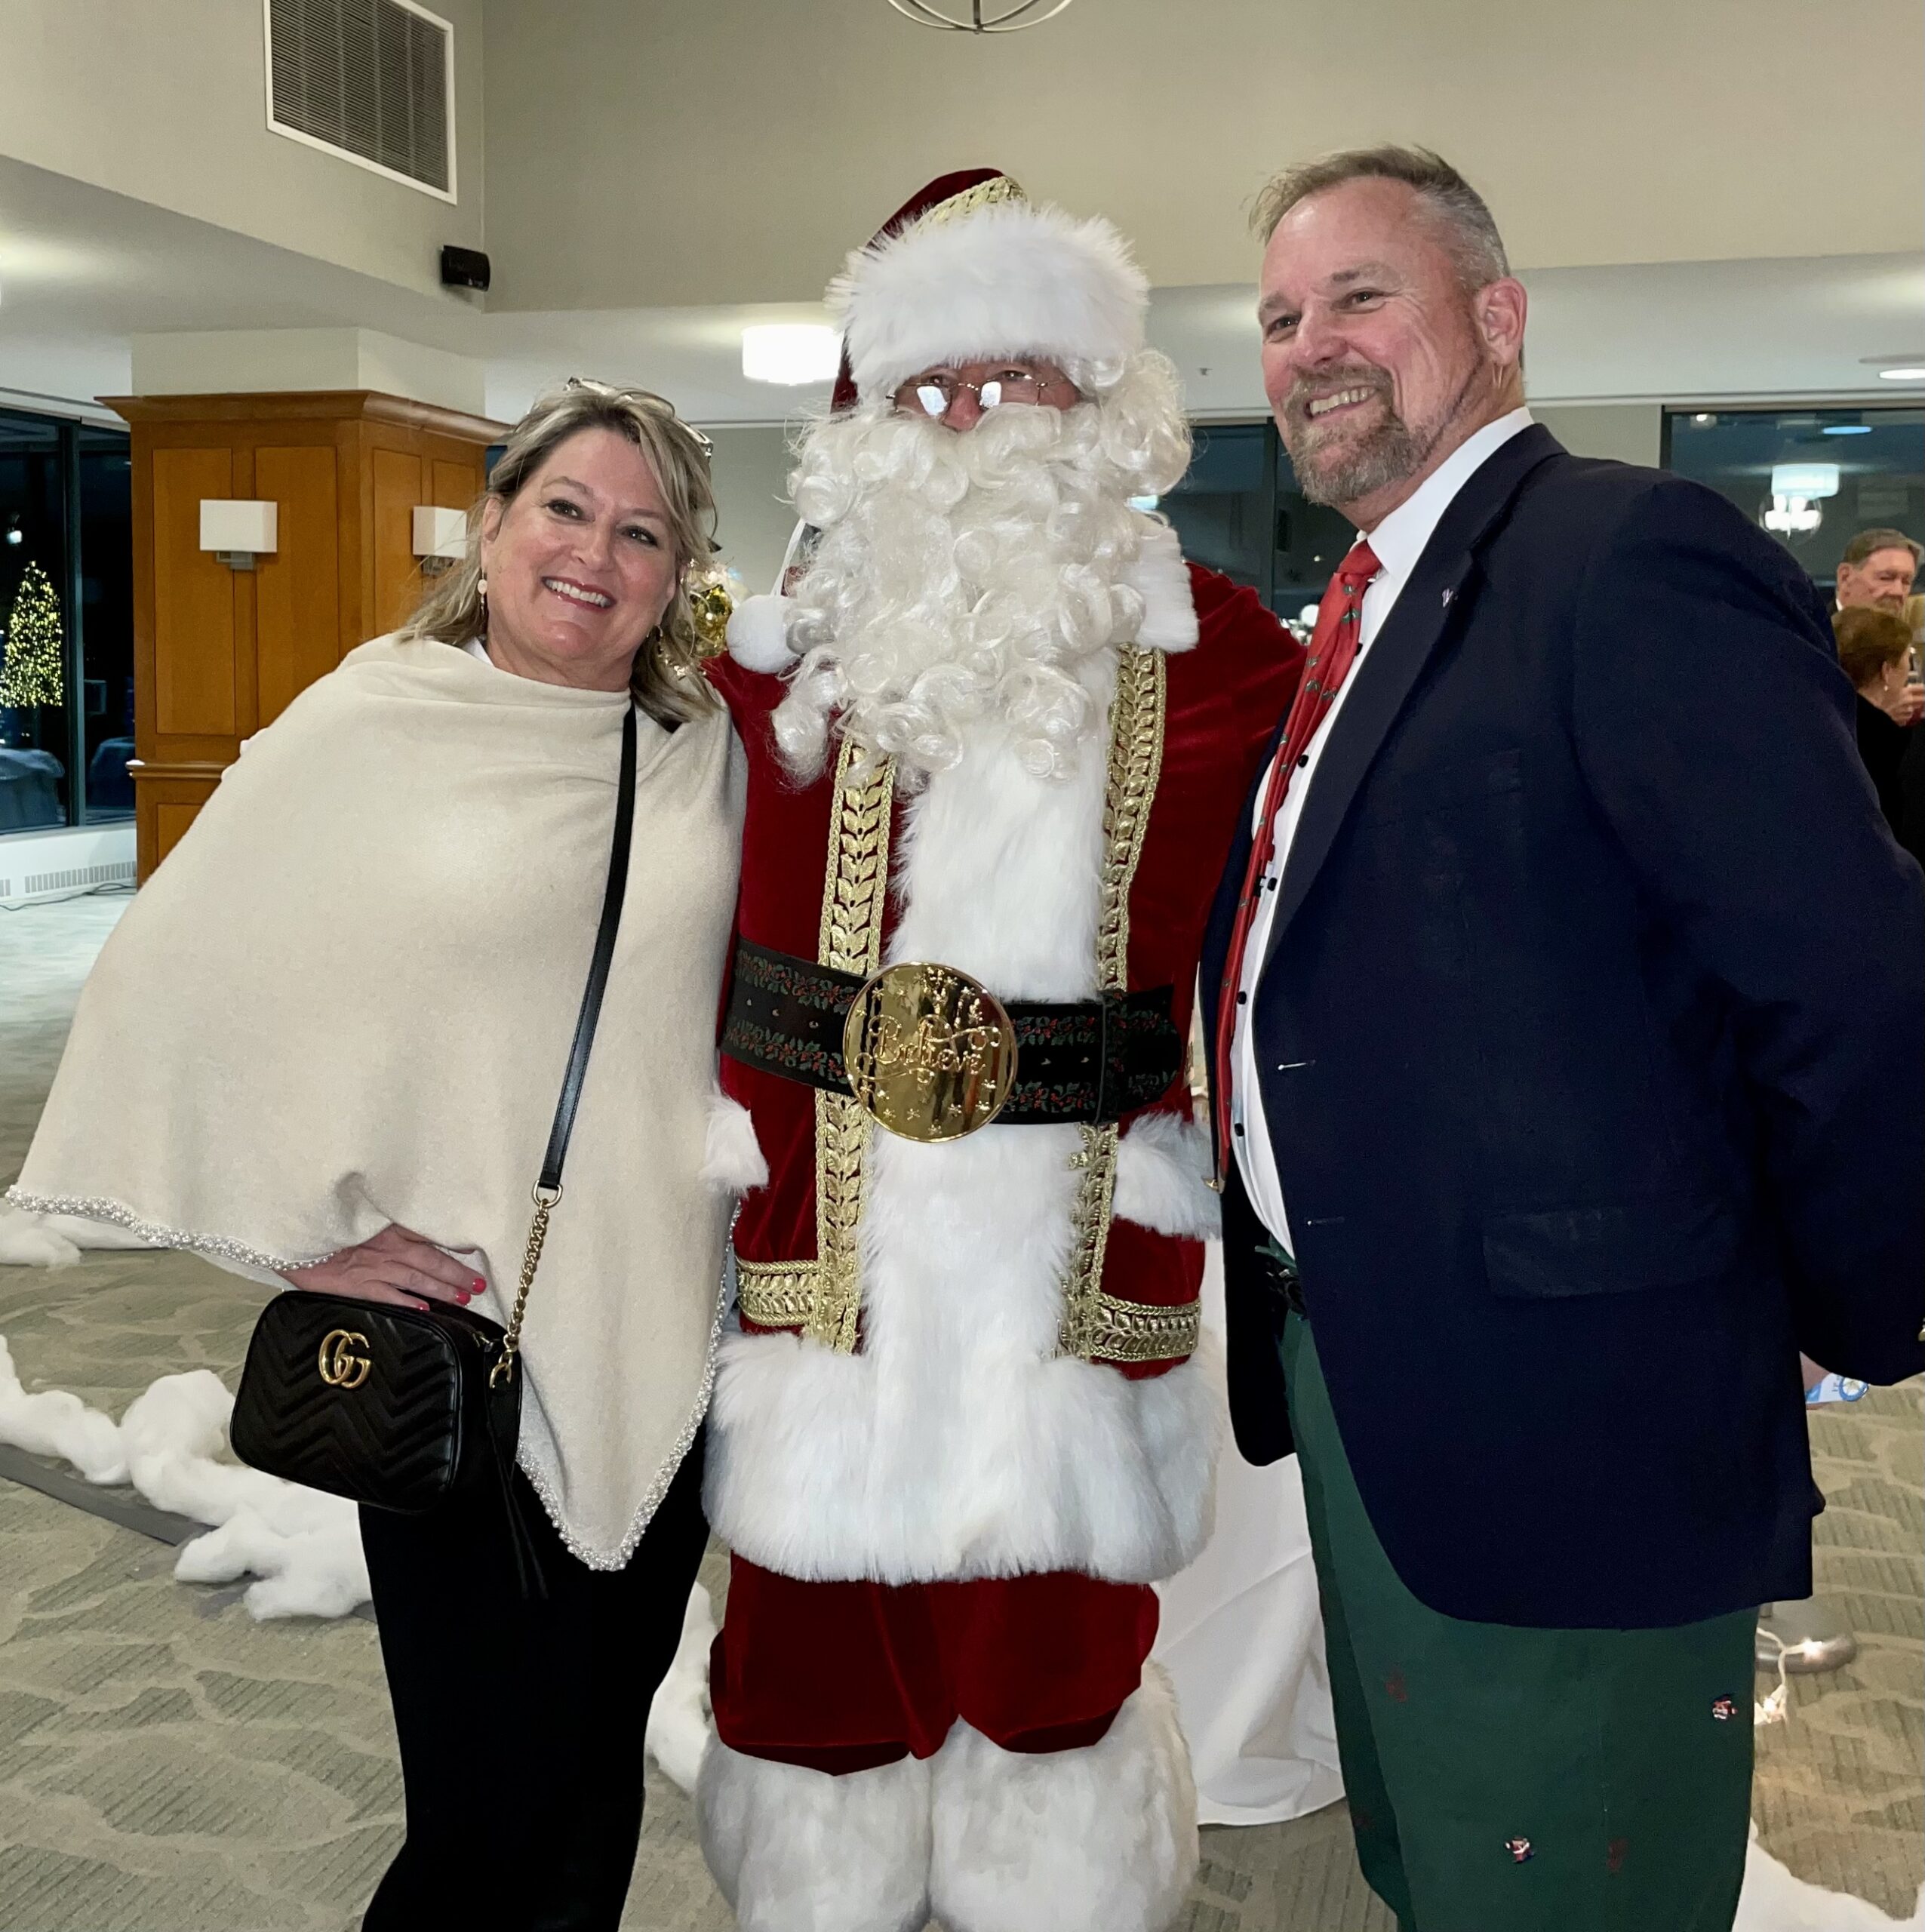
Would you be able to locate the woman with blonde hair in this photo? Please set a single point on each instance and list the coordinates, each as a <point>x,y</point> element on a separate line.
<point>323,1048</point>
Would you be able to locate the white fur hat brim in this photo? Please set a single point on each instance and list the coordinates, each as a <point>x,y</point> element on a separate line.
<point>1009,280</point>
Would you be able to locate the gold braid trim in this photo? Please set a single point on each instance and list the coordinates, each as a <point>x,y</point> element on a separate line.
<point>1132,1331</point>
<point>1135,763</point>
<point>854,894</point>
<point>777,1294</point>
<point>984,195</point>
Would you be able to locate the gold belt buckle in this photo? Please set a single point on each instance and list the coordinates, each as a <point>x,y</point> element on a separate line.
<point>931,1054</point>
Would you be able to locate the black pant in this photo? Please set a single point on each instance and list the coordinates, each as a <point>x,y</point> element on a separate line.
<point>521,1721</point>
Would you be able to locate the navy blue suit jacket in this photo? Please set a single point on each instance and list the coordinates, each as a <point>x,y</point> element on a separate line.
<point>1591,1040</point>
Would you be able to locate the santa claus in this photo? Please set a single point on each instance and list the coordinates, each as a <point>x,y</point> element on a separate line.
<point>997,733</point>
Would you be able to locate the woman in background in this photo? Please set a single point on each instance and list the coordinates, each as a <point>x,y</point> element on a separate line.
<point>340,1013</point>
<point>1874,647</point>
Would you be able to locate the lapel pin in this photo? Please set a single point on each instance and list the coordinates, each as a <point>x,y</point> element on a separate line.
<point>1447,596</point>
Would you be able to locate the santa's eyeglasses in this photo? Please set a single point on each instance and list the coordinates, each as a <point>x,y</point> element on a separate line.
<point>936,392</point>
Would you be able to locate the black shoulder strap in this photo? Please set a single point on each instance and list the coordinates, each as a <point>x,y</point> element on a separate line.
<point>597,971</point>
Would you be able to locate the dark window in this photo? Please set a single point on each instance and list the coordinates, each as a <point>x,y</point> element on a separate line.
<point>66,653</point>
<point>1814,478</point>
<point>1238,510</point>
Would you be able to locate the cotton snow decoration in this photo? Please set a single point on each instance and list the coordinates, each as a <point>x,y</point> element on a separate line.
<point>54,1423</point>
<point>54,1240</point>
<point>301,1546</point>
<point>1773,1900</point>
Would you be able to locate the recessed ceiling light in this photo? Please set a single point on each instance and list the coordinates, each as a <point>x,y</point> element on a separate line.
<point>790,353</point>
<point>1704,419</point>
<point>1904,372</point>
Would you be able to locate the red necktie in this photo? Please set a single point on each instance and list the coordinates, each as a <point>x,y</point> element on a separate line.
<point>1333,651</point>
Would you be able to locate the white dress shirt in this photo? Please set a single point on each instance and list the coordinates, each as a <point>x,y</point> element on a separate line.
<point>1397,542</point>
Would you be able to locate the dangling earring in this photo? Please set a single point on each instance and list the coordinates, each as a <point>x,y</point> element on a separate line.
<point>481,591</point>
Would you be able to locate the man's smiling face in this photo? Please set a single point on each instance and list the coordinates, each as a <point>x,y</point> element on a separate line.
<point>1373,347</point>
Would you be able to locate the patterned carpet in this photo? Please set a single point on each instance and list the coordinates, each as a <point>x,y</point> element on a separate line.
<point>168,1765</point>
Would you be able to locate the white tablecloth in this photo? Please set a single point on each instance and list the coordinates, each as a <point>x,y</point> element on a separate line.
<point>1243,1641</point>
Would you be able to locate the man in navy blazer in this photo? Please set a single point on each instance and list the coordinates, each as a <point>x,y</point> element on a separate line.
<point>1576,1070</point>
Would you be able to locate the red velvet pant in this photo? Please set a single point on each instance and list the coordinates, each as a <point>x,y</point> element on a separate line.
<point>844,1677</point>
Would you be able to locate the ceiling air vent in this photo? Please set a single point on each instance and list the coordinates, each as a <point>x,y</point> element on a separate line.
<point>372,80</point>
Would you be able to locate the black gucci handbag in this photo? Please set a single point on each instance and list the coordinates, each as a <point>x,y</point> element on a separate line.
<point>402,1408</point>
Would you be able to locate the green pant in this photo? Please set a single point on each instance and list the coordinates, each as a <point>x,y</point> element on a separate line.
<point>1503,1779</point>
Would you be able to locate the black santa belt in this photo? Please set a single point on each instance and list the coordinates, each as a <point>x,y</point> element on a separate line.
<point>933,1055</point>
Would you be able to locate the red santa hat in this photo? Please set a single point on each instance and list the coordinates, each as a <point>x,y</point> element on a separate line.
<point>967,268</point>
<point>970,268</point>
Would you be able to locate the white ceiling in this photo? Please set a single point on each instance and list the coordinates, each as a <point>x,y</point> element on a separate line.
<point>82,270</point>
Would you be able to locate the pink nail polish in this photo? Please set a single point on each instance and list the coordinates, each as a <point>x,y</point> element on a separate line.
<point>479,1284</point>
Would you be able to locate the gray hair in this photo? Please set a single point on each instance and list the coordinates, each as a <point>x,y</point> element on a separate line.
<point>1868,543</point>
<point>1471,235</point>
<point>666,678</point>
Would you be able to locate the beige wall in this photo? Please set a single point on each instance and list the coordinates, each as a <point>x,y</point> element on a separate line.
<point>754,520</point>
<point>761,139</point>
<point>165,100</point>
<point>1624,432</point>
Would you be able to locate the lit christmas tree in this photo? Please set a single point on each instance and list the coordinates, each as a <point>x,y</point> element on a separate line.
<point>31,672</point>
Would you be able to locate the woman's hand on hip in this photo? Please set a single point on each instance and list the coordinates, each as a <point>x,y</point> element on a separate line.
<point>395,1266</point>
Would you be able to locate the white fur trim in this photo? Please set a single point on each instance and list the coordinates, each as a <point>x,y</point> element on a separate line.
<point>1101,1840</point>
<point>796,1851</point>
<point>732,1157</point>
<point>823,1466</point>
<point>758,632</point>
<point>1013,280</point>
<point>1162,579</point>
<point>1162,1178</point>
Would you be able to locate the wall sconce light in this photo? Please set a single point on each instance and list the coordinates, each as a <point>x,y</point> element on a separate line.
<point>441,538</point>
<point>237,531</point>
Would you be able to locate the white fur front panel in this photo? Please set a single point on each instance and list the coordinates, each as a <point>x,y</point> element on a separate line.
<point>957,1444</point>
<point>999,872</point>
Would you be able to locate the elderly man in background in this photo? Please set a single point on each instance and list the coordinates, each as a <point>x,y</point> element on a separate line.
<point>1877,570</point>
<point>1553,1129</point>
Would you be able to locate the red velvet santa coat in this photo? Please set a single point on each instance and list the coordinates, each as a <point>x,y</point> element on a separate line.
<point>956,1440</point>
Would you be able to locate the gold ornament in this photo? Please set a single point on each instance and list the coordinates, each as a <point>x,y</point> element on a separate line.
<point>711,604</point>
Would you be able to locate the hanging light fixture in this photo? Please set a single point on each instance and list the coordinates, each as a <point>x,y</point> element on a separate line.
<point>997,17</point>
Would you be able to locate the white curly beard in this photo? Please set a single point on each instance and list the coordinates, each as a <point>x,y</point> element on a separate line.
<point>966,575</point>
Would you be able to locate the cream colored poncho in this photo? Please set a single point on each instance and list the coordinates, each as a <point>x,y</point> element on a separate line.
<point>346,999</point>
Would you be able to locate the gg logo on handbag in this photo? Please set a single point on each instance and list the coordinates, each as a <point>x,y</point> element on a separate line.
<point>340,1366</point>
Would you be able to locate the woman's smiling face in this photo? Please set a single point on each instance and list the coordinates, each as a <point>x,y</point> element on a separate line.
<point>580,564</point>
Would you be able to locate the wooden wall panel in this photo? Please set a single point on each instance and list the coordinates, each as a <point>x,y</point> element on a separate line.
<point>193,599</point>
<point>171,819</point>
<point>298,601</point>
<point>395,487</point>
<point>217,653</point>
<point>456,485</point>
